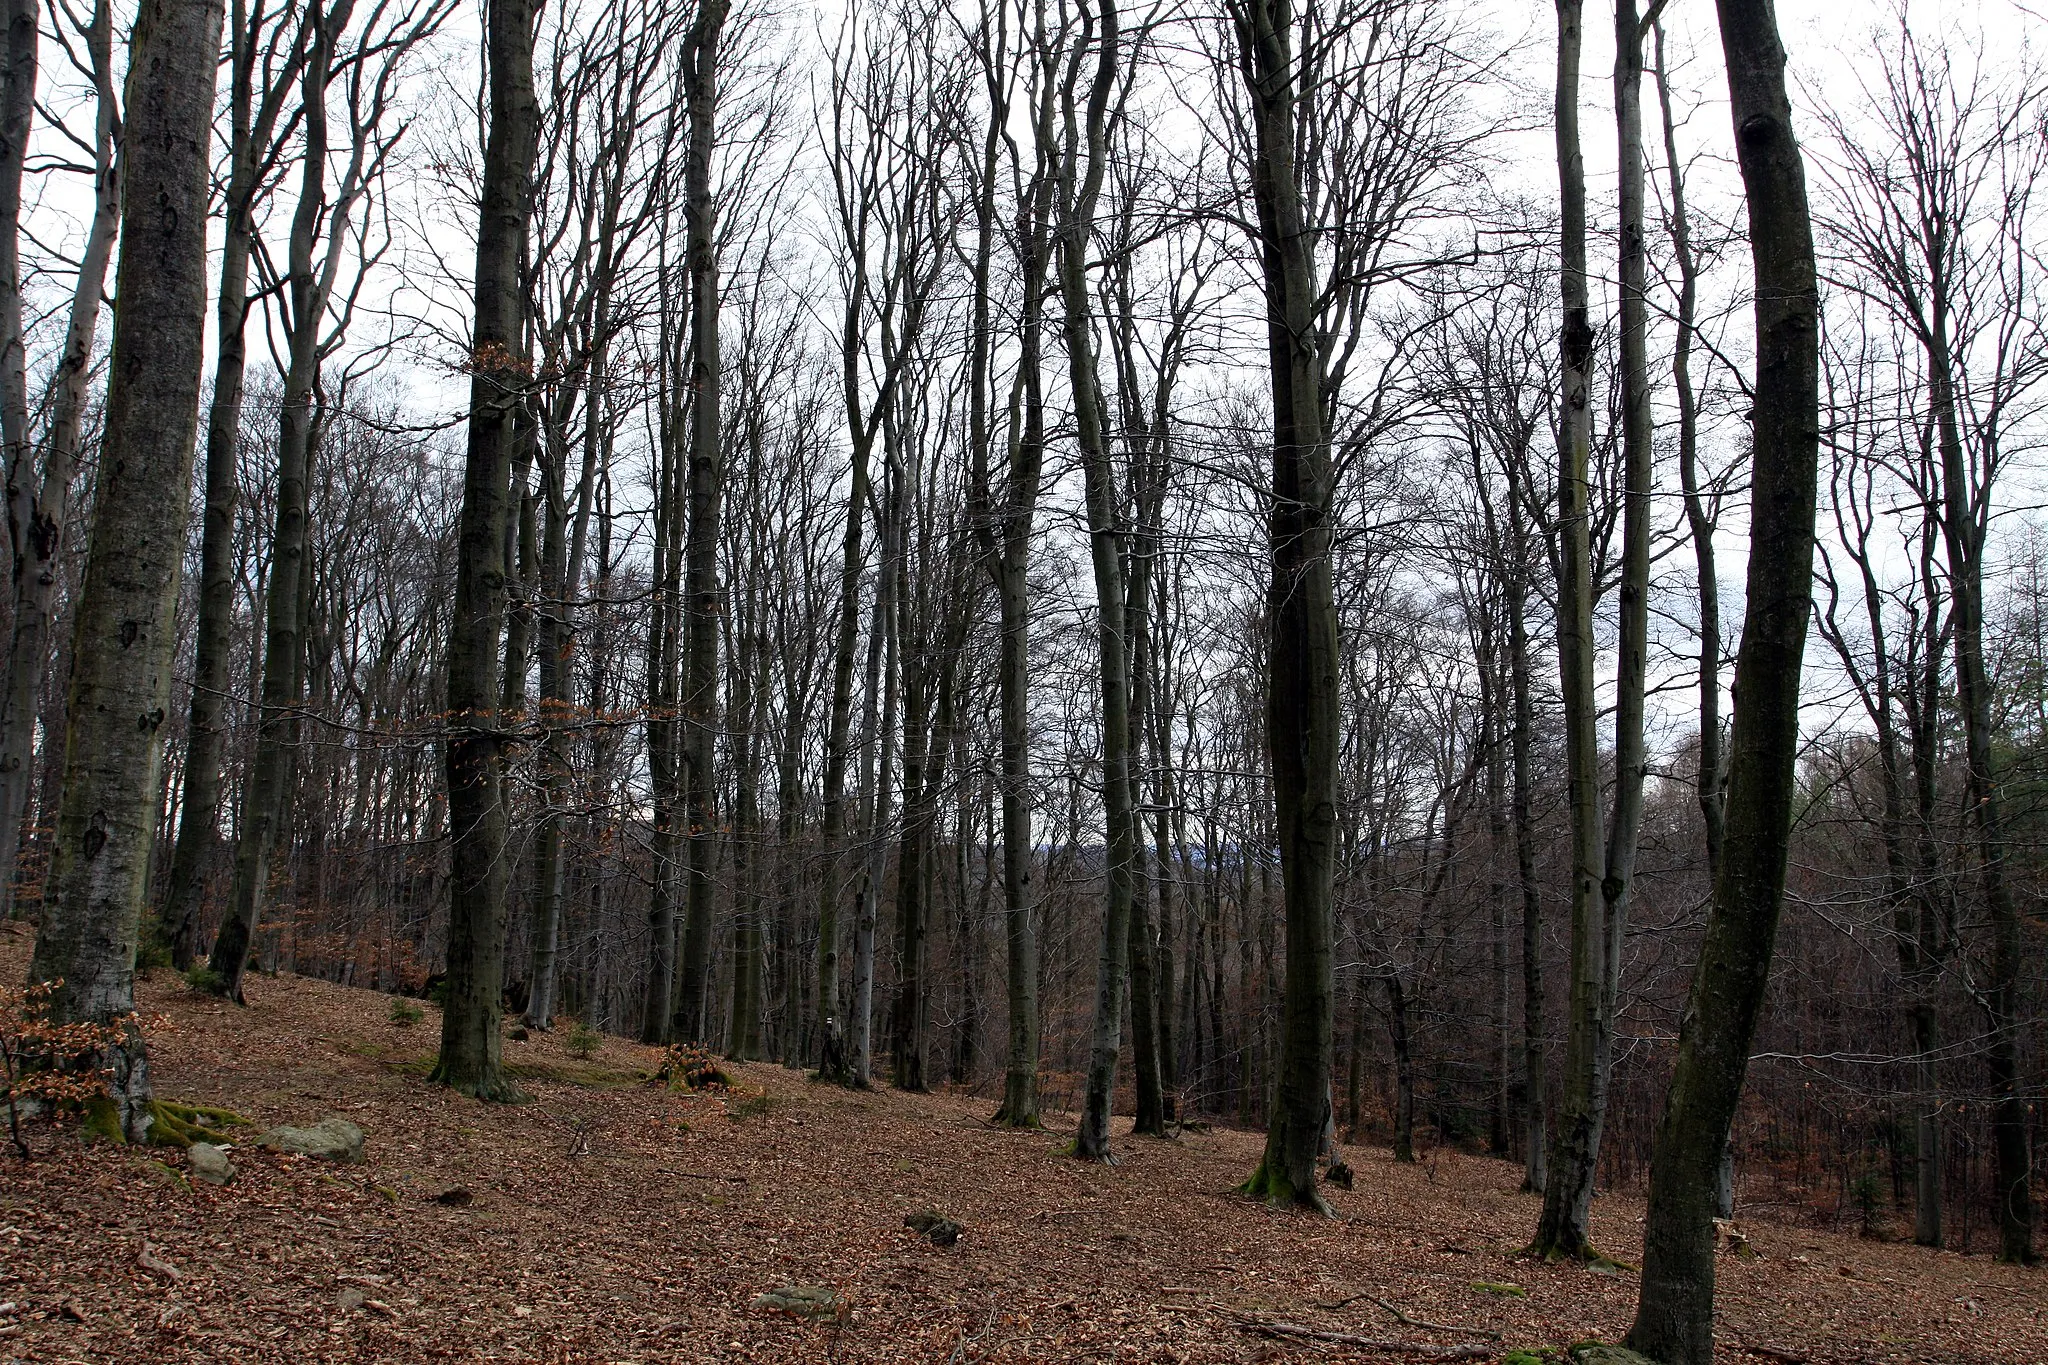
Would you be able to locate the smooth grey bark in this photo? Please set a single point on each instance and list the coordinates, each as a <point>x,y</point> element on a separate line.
<point>1301,704</point>
<point>471,1057</point>
<point>1602,877</point>
<point>124,637</point>
<point>38,501</point>
<point>1675,1312</point>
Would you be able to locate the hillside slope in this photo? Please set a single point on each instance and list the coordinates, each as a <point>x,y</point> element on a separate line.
<point>610,1220</point>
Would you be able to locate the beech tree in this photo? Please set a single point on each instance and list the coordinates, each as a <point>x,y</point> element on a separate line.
<point>122,649</point>
<point>1675,1310</point>
<point>471,1059</point>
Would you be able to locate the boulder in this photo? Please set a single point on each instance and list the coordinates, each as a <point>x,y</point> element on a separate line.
<point>812,1302</point>
<point>210,1163</point>
<point>1594,1353</point>
<point>331,1139</point>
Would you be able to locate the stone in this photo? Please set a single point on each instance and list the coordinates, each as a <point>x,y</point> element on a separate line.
<point>943,1231</point>
<point>350,1298</point>
<point>811,1302</point>
<point>210,1163</point>
<point>331,1139</point>
<point>1594,1353</point>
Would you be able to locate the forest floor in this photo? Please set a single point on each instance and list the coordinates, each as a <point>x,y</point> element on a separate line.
<point>611,1220</point>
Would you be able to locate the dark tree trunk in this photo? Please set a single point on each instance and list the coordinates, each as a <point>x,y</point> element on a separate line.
<point>471,1047</point>
<point>1675,1315</point>
<point>1301,696</point>
<point>704,604</point>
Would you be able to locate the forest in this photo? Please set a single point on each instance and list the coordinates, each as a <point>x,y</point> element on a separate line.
<point>1416,581</point>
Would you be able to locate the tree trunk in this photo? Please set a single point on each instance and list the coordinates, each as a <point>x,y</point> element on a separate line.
<point>471,1047</point>
<point>1083,168</point>
<point>124,639</point>
<point>250,129</point>
<point>20,32</point>
<point>264,798</point>
<point>1301,696</point>
<point>37,515</point>
<point>1675,1314</point>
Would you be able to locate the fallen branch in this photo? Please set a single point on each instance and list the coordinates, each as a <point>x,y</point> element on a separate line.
<point>1424,1350</point>
<point>1777,1353</point>
<point>1407,1321</point>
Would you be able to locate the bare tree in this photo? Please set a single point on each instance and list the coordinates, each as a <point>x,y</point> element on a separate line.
<point>124,638</point>
<point>1675,1310</point>
<point>471,1059</point>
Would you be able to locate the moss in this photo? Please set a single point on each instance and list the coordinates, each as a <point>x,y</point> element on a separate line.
<point>181,1125</point>
<point>1270,1184</point>
<point>102,1121</point>
<point>1506,1291</point>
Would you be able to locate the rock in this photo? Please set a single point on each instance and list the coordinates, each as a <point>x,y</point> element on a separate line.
<point>1593,1353</point>
<point>943,1231</point>
<point>210,1163</point>
<point>811,1302</point>
<point>1339,1174</point>
<point>517,1033</point>
<point>454,1197</point>
<point>350,1298</point>
<point>331,1139</point>
<point>1505,1291</point>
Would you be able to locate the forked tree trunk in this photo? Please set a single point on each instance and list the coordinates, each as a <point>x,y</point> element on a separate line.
<point>1302,663</point>
<point>471,1046</point>
<point>1083,168</point>
<point>125,638</point>
<point>1675,1314</point>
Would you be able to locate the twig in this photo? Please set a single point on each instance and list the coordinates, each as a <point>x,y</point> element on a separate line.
<point>1424,1350</point>
<point>703,1175</point>
<point>1777,1353</point>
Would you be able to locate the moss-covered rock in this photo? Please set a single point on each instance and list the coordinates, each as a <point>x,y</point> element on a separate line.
<point>331,1139</point>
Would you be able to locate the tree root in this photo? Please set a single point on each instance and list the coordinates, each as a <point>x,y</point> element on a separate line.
<point>1586,1254</point>
<point>1270,1185</point>
<point>181,1125</point>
